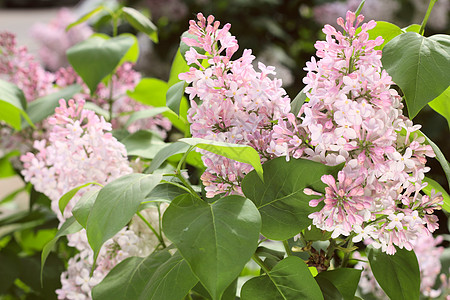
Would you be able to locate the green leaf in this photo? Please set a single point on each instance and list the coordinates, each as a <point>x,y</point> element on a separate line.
<point>397,274</point>
<point>298,101</point>
<point>141,23</point>
<point>127,280</point>
<point>12,105</point>
<point>439,156</point>
<point>68,227</point>
<point>344,279</point>
<point>145,114</point>
<point>217,239</point>
<point>143,143</point>
<point>83,207</point>
<point>163,192</point>
<point>419,66</point>
<point>97,57</point>
<point>329,291</point>
<point>179,66</point>
<point>165,153</point>
<point>441,105</point>
<point>280,199</point>
<point>438,188</point>
<point>412,28</point>
<point>6,168</point>
<point>64,200</point>
<point>45,106</point>
<point>10,270</point>
<point>174,96</point>
<point>184,48</point>
<point>86,17</point>
<point>289,279</point>
<point>386,30</point>
<point>97,109</point>
<point>172,280</point>
<point>241,153</point>
<point>316,234</point>
<point>115,205</point>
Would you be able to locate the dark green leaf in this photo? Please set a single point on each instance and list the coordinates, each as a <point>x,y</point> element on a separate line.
<point>280,199</point>
<point>64,200</point>
<point>298,101</point>
<point>329,291</point>
<point>217,239</point>
<point>419,66</point>
<point>128,279</point>
<point>141,22</point>
<point>316,234</point>
<point>83,207</point>
<point>165,153</point>
<point>97,57</point>
<point>289,279</point>
<point>115,205</point>
<point>438,188</point>
<point>163,192</point>
<point>344,279</point>
<point>10,270</point>
<point>45,106</point>
<point>143,143</point>
<point>397,274</point>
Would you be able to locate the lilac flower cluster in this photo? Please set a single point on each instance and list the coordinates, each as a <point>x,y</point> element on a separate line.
<point>80,150</point>
<point>22,69</point>
<point>236,103</point>
<point>354,117</point>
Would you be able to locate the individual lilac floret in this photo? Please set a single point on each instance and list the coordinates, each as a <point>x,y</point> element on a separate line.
<point>237,103</point>
<point>354,117</point>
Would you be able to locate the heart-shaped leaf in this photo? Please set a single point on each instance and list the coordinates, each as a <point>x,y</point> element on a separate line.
<point>397,274</point>
<point>386,30</point>
<point>97,57</point>
<point>289,279</point>
<point>217,239</point>
<point>280,199</point>
<point>344,279</point>
<point>419,66</point>
<point>115,205</point>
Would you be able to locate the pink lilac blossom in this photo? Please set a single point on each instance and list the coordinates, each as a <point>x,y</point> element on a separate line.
<point>54,39</point>
<point>236,102</point>
<point>428,253</point>
<point>124,79</point>
<point>22,69</point>
<point>354,117</point>
<point>80,150</point>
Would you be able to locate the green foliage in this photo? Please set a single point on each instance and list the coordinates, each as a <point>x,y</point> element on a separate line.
<point>64,200</point>
<point>433,185</point>
<point>141,22</point>
<point>174,96</point>
<point>216,239</point>
<point>398,274</point>
<point>298,101</point>
<point>12,105</point>
<point>289,279</point>
<point>385,29</point>
<point>419,66</point>
<point>98,56</point>
<point>441,105</point>
<point>143,143</point>
<point>6,169</point>
<point>86,17</point>
<point>83,207</point>
<point>115,205</point>
<point>280,199</point>
<point>345,280</point>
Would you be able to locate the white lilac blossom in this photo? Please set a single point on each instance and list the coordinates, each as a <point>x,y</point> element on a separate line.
<point>81,149</point>
<point>354,117</point>
<point>236,103</point>
<point>428,253</point>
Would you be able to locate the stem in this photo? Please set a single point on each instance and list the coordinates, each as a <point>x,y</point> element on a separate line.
<point>186,184</point>
<point>152,229</point>
<point>261,263</point>
<point>287,248</point>
<point>183,159</point>
<point>347,253</point>
<point>427,15</point>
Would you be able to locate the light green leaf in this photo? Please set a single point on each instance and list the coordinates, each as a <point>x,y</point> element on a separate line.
<point>397,274</point>
<point>217,239</point>
<point>12,105</point>
<point>280,199</point>
<point>241,153</point>
<point>174,96</point>
<point>97,57</point>
<point>115,205</point>
<point>412,28</point>
<point>141,23</point>
<point>441,105</point>
<point>68,227</point>
<point>289,279</point>
<point>45,106</point>
<point>97,109</point>
<point>6,168</point>
<point>86,17</point>
<point>145,114</point>
<point>419,66</point>
<point>438,188</point>
<point>64,200</point>
<point>179,66</point>
<point>386,30</point>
